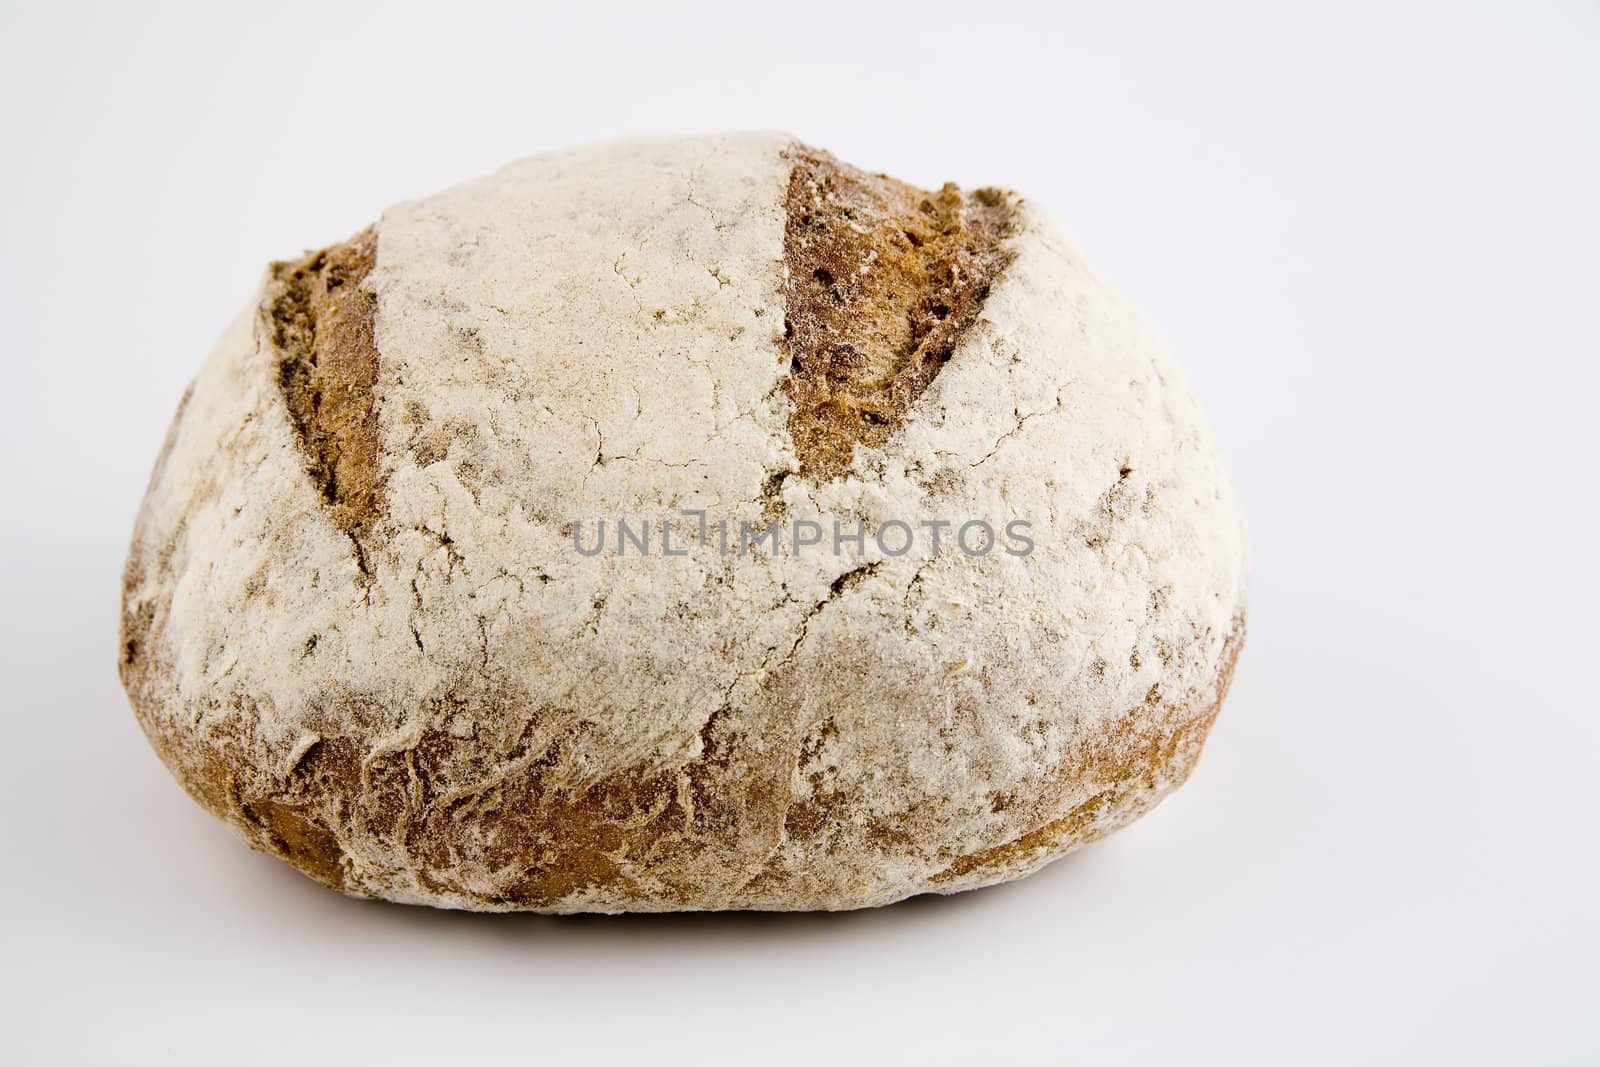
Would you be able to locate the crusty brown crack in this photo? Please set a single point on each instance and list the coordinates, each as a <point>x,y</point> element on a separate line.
<point>321,321</point>
<point>883,281</point>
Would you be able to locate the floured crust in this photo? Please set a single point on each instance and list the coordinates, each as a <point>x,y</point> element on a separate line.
<point>356,628</point>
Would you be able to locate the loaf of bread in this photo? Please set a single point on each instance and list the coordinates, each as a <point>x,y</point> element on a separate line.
<point>677,524</point>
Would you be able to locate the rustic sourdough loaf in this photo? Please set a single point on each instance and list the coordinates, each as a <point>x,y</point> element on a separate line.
<point>930,572</point>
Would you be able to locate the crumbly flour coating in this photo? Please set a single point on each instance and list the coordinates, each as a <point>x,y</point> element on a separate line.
<point>357,625</point>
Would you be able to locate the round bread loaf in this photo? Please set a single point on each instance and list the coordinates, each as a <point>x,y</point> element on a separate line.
<point>683,524</point>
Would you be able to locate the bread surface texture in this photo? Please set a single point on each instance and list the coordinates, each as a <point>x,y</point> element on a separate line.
<point>379,617</point>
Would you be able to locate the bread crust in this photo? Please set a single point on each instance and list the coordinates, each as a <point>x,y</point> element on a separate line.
<point>356,629</point>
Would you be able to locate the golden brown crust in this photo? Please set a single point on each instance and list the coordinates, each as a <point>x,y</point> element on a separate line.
<point>564,839</point>
<point>568,840</point>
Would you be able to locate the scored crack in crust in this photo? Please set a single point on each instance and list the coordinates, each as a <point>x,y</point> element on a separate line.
<point>883,279</point>
<point>321,320</point>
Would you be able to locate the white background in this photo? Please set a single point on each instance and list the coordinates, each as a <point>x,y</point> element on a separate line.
<point>1369,232</point>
